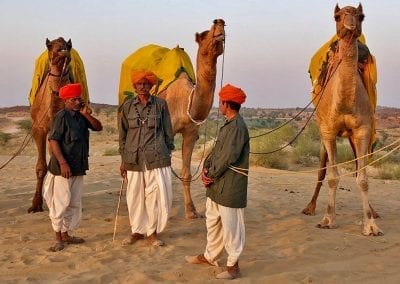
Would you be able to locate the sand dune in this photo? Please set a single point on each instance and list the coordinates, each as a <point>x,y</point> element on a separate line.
<point>282,245</point>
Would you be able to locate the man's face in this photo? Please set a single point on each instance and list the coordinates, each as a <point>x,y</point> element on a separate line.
<point>73,104</point>
<point>142,87</point>
<point>222,107</point>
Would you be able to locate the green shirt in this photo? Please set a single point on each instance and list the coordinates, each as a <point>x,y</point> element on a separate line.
<point>70,129</point>
<point>145,134</point>
<point>231,148</point>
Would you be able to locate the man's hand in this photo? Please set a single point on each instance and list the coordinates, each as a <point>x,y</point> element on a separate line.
<point>207,181</point>
<point>65,170</point>
<point>122,170</point>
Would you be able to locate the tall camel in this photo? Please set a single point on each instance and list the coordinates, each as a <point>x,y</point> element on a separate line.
<point>344,110</point>
<point>46,105</point>
<point>200,96</point>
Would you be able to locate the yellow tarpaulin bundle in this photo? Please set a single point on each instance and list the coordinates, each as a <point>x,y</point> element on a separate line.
<point>166,63</point>
<point>369,75</point>
<point>77,74</point>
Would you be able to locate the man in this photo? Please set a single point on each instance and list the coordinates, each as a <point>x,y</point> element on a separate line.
<point>225,177</point>
<point>146,140</point>
<point>69,150</point>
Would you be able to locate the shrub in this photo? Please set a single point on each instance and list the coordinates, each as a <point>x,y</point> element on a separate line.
<point>111,152</point>
<point>25,124</point>
<point>4,138</point>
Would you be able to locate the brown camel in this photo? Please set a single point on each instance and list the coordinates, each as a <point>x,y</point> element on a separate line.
<point>46,105</point>
<point>344,110</point>
<point>182,95</point>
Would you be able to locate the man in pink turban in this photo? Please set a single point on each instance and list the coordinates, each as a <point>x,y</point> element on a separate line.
<point>69,147</point>
<point>146,140</point>
<point>225,177</point>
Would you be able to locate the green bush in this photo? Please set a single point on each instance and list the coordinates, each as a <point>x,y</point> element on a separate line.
<point>4,138</point>
<point>111,152</point>
<point>25,125</point>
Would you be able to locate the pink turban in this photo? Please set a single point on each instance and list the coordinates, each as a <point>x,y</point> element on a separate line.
<point>136,76</point>
<point>70,91</point>
<point>232,94</point>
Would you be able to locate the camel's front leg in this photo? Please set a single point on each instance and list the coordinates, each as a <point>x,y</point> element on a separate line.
<point>39,135</point>
<point>370,228</point>
<point>328,221</point>
<point>310,209</point>
<point>189,140</point>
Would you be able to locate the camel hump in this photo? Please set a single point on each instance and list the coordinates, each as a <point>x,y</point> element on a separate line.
<point>166,63</point>
<point>76,73</point>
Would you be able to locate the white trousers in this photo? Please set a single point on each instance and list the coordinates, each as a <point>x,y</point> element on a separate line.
<point>149,200</point>
<point>225,228</point>
<point>63,197</point>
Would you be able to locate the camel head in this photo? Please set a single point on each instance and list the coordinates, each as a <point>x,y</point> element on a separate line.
<point>59,52</point>
<point>211,43</point>
<point>348,21</point>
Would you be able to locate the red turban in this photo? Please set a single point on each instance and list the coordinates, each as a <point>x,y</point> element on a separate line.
<point>70,91</point>
<point>136,76</point>
<point>232,94</point>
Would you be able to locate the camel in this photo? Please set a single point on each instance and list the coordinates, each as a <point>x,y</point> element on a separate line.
<point>344,110</point>
<point>45,106</point>
<point>182,94</point>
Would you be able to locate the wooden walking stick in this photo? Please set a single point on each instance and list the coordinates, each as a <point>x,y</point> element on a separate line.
<point>119,202</point>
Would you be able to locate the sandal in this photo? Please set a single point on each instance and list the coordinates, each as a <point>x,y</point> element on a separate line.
<point>57,246</point>
<point>73,240</point>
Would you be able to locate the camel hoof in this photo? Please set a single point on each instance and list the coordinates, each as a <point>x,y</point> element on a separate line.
<point>308,211</point>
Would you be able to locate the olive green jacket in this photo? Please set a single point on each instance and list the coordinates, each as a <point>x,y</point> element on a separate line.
<point>231,148</point>
<point>145,134</point>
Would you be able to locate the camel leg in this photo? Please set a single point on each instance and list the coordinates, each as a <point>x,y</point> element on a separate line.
<point>328,221</point>
<point>189,140</point>
<point>374,213</point>
<point>310,209</point>
<point>39,135</point>
<point>369,225</point>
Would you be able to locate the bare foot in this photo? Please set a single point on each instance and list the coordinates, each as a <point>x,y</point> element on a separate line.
<point>154,241</point>
<point>59,245</point>
<point>132,239</point>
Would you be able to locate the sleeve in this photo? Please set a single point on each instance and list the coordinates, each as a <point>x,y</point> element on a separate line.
<point>57,127</point>
<point>167,125</point>
<point>231,150</point>
<point>122,129</point>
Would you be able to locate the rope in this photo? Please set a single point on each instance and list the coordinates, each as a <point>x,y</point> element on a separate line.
<point>197,122</point>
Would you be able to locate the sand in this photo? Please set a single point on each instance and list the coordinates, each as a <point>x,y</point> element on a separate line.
<point>282,245</point>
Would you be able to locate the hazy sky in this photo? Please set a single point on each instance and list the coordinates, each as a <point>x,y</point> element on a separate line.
<point>268,42</point>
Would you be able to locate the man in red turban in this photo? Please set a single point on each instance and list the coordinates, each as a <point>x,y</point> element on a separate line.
<point>69,146</point>
<point>225,177</point>
<point>70,91</point>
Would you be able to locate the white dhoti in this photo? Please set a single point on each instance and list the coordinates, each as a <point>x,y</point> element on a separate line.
<point>225,228</point>
<point>63,197</point>
<point>149,200</point>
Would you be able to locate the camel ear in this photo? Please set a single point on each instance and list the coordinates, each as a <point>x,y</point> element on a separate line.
<point>69,44</point>
<point>200,37</point>
<point>360,8</point>
<point>337,9</point>
<point>48,43</point>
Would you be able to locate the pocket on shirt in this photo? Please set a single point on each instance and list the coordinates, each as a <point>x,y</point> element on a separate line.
<point>153,121</point>
<point>130,157</point>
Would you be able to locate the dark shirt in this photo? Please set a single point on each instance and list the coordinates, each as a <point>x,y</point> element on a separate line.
<point>70,129</point>
<point>231,148</point>
<point>145,134</point>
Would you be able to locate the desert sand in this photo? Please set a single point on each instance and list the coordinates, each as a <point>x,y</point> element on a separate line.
<point>282,245</point>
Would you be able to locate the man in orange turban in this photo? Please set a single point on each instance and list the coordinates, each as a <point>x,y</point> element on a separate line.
<point>225,177</point>
<point>230,93</point>
<point>63,184</point>
<point>138,75</point>
<point>146,140</point>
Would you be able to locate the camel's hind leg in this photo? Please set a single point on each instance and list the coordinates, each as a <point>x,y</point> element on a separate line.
<point>39,135</point>
<point>189,140</point>
<point>369,225</point>
<point>310,209</point>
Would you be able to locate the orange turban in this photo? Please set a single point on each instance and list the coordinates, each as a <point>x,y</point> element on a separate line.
<point>136,76</point>
<point>232,94</point>
<point>70,91</point>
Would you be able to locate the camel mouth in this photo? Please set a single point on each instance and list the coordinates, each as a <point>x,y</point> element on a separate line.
<point>220,37</point>
<point>350,27</point>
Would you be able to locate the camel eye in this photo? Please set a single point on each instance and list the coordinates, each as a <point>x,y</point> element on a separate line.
<point>337,18</point>
<point>361,17</point>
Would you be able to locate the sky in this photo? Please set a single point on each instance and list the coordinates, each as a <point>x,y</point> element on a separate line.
<point>269,43</point>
